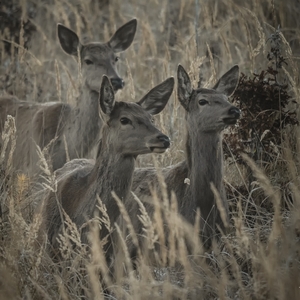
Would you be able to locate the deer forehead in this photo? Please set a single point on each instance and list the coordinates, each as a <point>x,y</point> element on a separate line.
<point>211,95</point>
<point>97,50</point>
<point>131,110</point>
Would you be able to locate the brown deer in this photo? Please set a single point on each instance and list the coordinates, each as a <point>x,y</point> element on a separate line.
<point>75,126</point>
<point>208,112</point>
<point>127,132</point>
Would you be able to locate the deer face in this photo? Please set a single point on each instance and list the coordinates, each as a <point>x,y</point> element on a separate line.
<point>133,131</point>
<point>98,59</point>
<point>129,126</point>
<point>209,109</point>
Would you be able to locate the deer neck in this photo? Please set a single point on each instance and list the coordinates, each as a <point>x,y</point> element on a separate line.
<point>112,172</point>
<point>87,110</point>
<point>84,124</point>
<point>205,167</point>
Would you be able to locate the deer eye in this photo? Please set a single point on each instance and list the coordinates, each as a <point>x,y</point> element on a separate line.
<point>125,121</point>
<point>203,102</point>
<point>117,58</point>
<point>88,62</point>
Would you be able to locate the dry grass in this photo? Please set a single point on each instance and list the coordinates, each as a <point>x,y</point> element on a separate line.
<point>258,258</point>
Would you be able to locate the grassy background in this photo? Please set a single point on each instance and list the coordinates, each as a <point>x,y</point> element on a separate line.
<point>259,257</point>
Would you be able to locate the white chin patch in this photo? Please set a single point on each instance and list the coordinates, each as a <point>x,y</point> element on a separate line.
<point>159,150</point>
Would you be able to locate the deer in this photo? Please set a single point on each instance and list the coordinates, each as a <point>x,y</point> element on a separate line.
<point>72,129</point>
<point>127,131</point>
<point>208,112</point>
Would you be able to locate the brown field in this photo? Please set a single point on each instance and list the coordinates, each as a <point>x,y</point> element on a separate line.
<point>259,258</point>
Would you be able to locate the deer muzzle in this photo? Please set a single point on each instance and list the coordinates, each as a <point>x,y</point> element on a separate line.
<point>161,144</point>
<point>233,115</point>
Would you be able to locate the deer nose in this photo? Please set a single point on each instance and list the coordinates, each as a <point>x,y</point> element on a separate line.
<point>165,139</point>
<point>235,111</point>
<point>117,83</point>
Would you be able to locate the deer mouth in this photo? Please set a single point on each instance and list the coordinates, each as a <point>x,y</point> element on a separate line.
<point>161,145</point>
<point>158,149</point>
<point>230,121</point>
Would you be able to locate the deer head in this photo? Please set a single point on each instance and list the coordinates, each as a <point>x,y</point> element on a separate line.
<point>209,109</point>
<point>128,127</point>
<point>98,59</point>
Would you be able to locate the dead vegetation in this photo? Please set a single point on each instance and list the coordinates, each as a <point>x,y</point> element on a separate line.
<point>259,257</point>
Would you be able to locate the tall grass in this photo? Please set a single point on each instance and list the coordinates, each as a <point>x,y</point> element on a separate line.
<point>258,258</point>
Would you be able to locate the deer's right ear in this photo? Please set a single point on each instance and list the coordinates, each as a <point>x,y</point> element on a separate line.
<point>155,100</point>
<point>123,37</point>
<point>68,39</point>
<point>106,97</point>
<point>184,89</point>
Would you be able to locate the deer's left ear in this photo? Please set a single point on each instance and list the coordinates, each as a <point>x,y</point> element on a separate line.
<point>68,40</point>
<point>228,82</point>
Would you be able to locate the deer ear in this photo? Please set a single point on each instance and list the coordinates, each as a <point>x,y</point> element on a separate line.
<point>228,82</point>
<point>155,100</point>
<point>123,37</point>
<point>184,89</point>
<point>106,97</point>
<point>68,39</point>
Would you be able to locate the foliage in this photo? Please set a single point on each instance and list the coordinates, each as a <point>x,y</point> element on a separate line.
<point>259,257</point>
<point>267,109</point>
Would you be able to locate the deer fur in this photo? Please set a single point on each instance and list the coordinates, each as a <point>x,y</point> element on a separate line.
<point>127,132</point>
<point>208,112</point>
<point>75,126</point>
